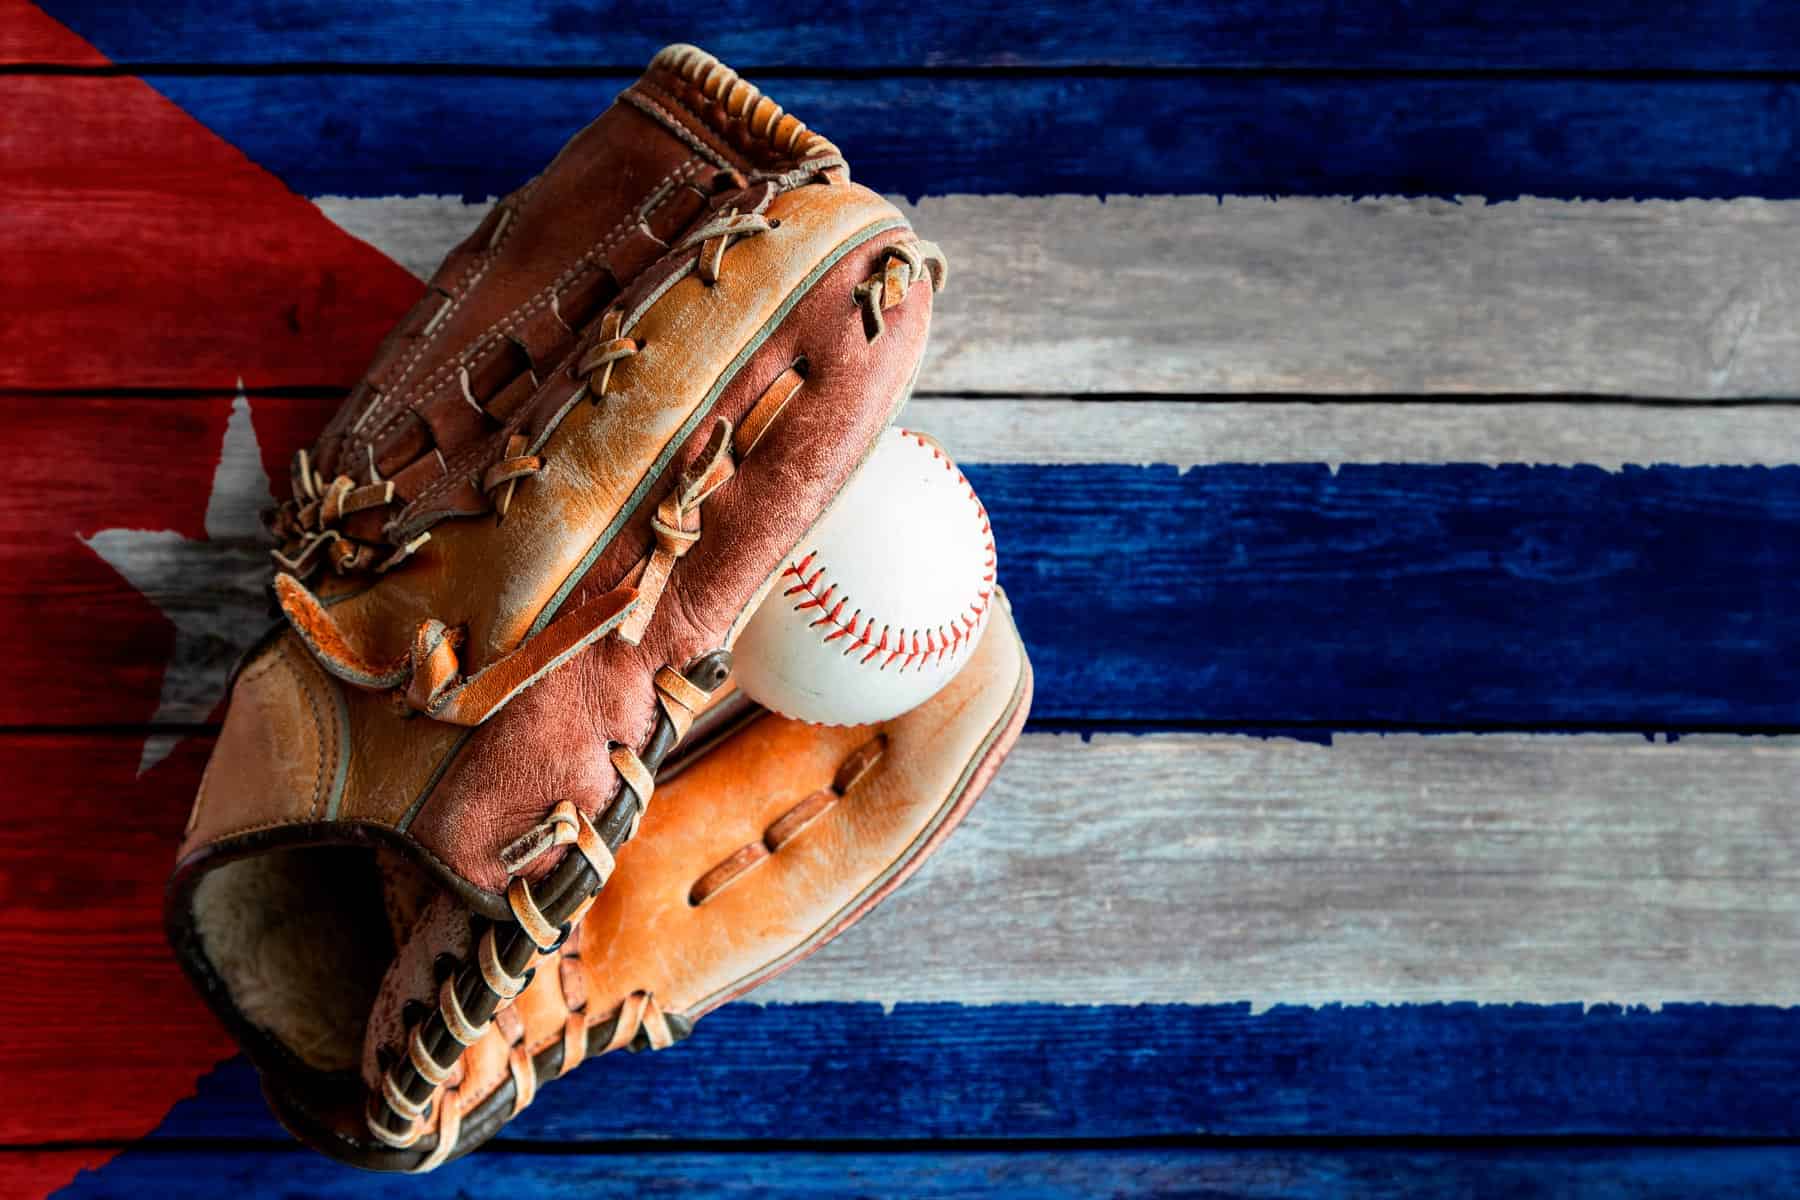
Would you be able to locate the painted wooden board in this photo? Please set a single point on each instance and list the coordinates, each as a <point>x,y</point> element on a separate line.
<point>930,1074</point>
<point>1100,134</point>
<point>1298,938</point>
<point>1383,936</point>
<point>1721,35</point>
<point>196,276</point>
<point>1293,1172</point>
<point>1325,296</point>
<point>107,1032</point>
<point>1386,868</point>
<point>1183,433</point>
<point>1279,594</point>
<point>141,249</point>
<point>1297,1172</point>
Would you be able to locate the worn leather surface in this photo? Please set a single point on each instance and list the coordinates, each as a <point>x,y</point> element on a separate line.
<point>533,749</point>
<point>509,298</point>
<point>485,369</point>
<point>644,936</point>
<point>579,526</point>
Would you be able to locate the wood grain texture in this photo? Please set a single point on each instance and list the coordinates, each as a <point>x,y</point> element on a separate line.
<point>106,1034</point>
<point>114,551</point>
<point>1720,35</point>
<point>138,246</point>
<point>1366,595</point>
<point>1268,871</point>
<point>1255,937</point>
<point>1293,1172</point>
<point>1382,868</point>
<point>1404,596</point>
<point>923,1073</point>
<point>1094,134</point>
<point>1413,296</point>
<point>1327,296</point>
<point>1397,868</point>
<point>1186,434</point>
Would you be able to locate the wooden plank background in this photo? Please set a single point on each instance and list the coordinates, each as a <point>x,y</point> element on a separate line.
<point>1387,417</point>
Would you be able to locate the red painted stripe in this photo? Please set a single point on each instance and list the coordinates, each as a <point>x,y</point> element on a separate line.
<point>139,246</point>
<point>29,37</point>
<point>102,1034</point>
<point>33,1173</point>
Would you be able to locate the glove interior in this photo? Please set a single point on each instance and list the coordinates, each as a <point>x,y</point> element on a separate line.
<point>294,937</point>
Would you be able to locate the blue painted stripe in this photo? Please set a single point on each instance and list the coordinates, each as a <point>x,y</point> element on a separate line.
<point>380,135</point>
<point>1413,596</point>
<point>936,1071</point>
<point>1716,35</point>
<point>1021,1173</point>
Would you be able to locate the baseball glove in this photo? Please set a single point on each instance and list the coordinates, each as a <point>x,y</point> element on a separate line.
<point>510,573</point>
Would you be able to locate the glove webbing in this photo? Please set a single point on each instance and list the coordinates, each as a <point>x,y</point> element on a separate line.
<point>544,916</point>
<point>639,1022</point>
<point>502,964</point>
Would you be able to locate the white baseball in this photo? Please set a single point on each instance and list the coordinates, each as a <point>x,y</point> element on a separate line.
<point>883,602</point>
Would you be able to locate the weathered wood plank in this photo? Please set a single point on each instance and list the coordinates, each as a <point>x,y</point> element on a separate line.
<point>1414,594</point>
<point>1721,35</point>
<point>131,566</point>
<point>1017,1173</point>
<point>1095,134</point>
<point>104,1034</point>
<point>1242,881</point>
<point>1193,294</point>
<point>1310,295</point>
<point>1396,868</point>
<point>945,1071</point>
<point>30,1174</point>
<point>1405,596</point>
<point>1186,434</point>
<point>1268,870</point>
<point>140,247</point>
<point>1297,295</point>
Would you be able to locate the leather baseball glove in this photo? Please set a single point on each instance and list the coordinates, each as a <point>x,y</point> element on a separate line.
<point>511,571</point>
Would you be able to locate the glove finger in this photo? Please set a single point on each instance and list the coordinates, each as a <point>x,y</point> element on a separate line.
<point>765,848</point>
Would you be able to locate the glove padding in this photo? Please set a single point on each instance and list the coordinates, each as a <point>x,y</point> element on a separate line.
<point>510,573</point>
<point>762,849</point>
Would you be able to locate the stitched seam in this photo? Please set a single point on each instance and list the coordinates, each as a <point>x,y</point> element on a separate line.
<point>688,71</point>
<point>654,473</point>
<point>464,284</point>
<point>312,702</point>
<point>511,320</point>
<point>649,104</point>
<point>478,450</point>
<point>260,667</point>
<point>948,638</point>
<point>518,316</point>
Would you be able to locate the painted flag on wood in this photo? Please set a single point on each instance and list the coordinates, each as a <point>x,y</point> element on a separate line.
<point>1425,661</point>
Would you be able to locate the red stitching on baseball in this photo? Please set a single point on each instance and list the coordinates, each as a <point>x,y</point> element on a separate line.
<point>939,642</point>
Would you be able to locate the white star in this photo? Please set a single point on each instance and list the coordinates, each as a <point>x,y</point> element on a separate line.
<point>212,591</point>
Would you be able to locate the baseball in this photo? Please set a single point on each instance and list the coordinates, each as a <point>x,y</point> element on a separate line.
<point>883,602</point>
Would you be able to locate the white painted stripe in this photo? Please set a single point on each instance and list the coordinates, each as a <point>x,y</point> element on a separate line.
<point>1186,434</point>
<point>1386,869</point>
<point>1190,294</point>
<point>415,231</point>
